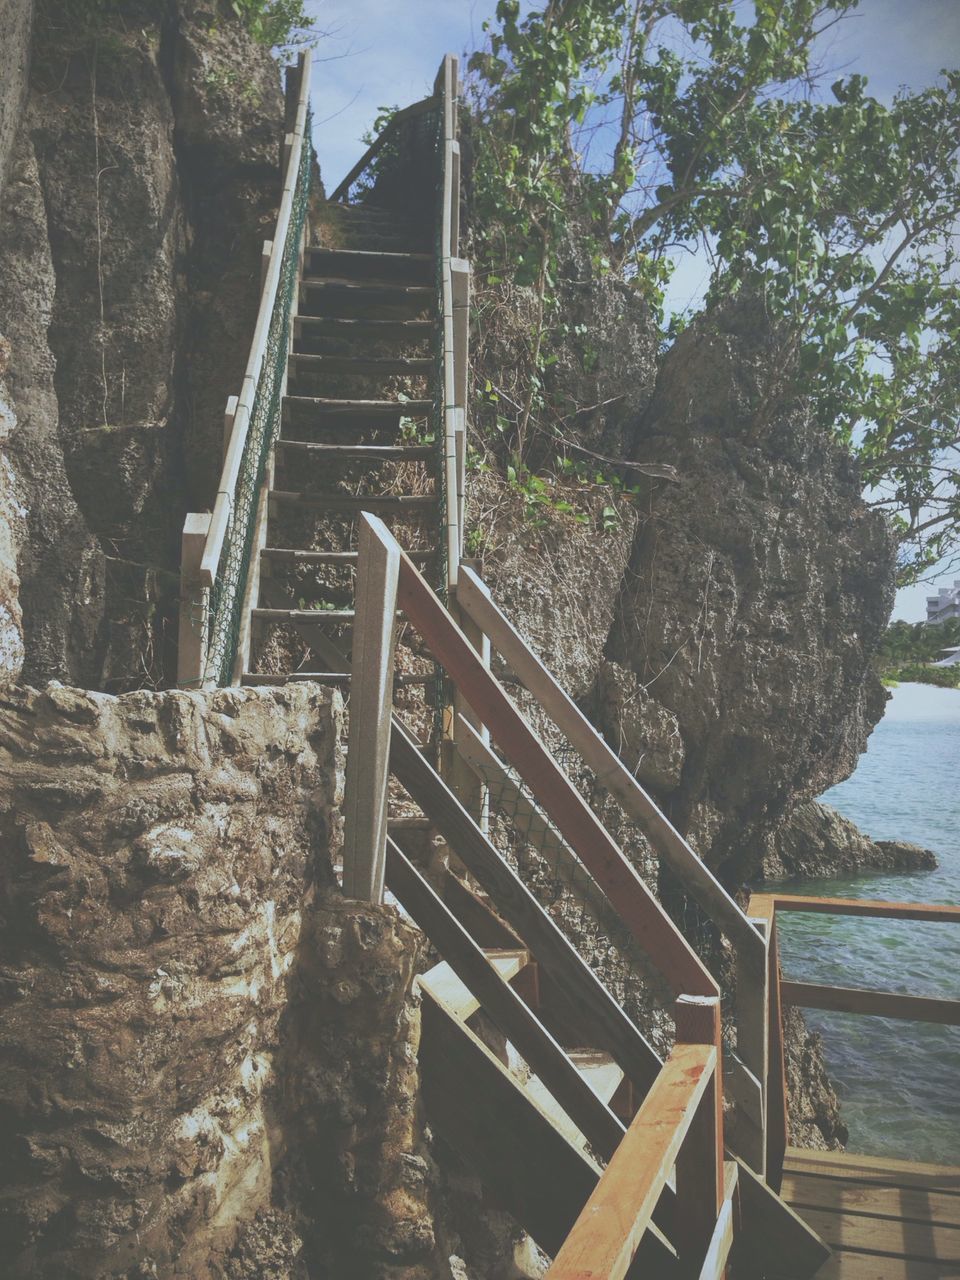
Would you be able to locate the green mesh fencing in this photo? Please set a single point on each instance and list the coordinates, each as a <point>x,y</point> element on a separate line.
<point>227,594</point>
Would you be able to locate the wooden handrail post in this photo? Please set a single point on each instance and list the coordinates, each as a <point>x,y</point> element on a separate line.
<point>469,787</point>
<point>371,706</point>
<point>700,1161</point>
<point>776,1090</point>
<point>194,603</point>
<point>752,1019</point>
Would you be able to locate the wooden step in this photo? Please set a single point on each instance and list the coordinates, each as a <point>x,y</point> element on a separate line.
<point>375,504</point>
<point>307,362</point>
<point>302,617</point>
<point>340,679</point>
<point>293,555</point>
<point>601,1073</point>
<point>459,1001</point>
<point>484,1112</point>
<point>351,326</point>
<point>391,288</point>
<point>322,405</point>
<point>378,263</point>
<point>363,452</point>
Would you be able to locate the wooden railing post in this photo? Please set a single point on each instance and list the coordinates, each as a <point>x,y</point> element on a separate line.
<point>371,706</point>
<point>194,603</point>
<point>752,1019</point>
<point>700,1161</point>
<point>776,1090</point>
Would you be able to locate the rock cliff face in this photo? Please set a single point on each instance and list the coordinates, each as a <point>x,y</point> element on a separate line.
<point>141,176</point>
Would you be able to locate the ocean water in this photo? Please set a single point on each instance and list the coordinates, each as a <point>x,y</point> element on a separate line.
<point>898,1082</point>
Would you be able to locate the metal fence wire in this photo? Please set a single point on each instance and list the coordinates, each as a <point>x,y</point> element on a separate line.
<point>226,596</point>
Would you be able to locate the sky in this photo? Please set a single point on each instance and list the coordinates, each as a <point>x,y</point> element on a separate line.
<point>383,53</point>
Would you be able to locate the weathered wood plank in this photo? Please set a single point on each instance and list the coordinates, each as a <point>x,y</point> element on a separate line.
<point>368,748</point>
<point>535,1172</point>
<point>883,1169</point>
<point>875,1004</point>
<point>774,1240</point>
<point>721,1243</point>
<point>601,1021</point>
<point>651,925</point>
<point>930,911</point>
<point>697,879</point>
<point>606,1235</point>
<point>775,1094</point>
<point>590,1114</point>
<point>452,992</point>
<point>850,1195</point>
<point>530,822</point>
<point>700,1161</point>
<point>896,1238</point>
<point>862,1266</point>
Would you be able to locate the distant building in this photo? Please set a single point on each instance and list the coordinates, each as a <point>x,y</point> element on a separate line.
<point>951,660</point>
<point>944,605</point>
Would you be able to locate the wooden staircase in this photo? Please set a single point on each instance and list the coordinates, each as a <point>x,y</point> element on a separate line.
<point>614,1160</point>
<point>355,436</point>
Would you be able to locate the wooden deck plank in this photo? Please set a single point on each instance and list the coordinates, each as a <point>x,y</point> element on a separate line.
<point>902,1173</point>
<point>849,1195</point>
<point>863,1266</point>
<point>894,1238</point>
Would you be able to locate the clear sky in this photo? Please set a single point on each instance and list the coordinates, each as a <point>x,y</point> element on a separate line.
<point>386,53</point>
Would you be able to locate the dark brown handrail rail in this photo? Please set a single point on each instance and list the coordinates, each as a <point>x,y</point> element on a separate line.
<point>415,109</point>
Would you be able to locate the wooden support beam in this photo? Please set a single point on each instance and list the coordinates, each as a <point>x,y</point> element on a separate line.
<point>229,417</point>
<point>774,1240</point>
<point>530,822</point>
<point>878,1004</point>
<point>601,1021</point>
<point>669,951</point>
<point>477,1106</point>
<point>775,1094</point>
<point>591,1116</point>
<point>721,1243</point>
<point>929,911</point>
<point>753,1018</point>
<point>194,603</point>
<point>608,1232</point>
<point>611,772</point>
<point>700,1161</point>
<point>371,705</point>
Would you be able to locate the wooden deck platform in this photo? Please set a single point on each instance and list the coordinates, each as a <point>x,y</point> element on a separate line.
<point>883,1219</point>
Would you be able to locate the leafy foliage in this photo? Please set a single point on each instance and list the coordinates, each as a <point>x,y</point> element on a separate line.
<point>673,124</point>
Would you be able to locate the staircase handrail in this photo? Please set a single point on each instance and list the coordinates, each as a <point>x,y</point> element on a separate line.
<point>387,132</point>
<point>211,599</point>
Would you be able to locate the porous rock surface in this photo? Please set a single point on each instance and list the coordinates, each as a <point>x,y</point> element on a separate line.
<point>159,851</point>
<point>756,594</point>
<point>141,177</point>
<point>817,841</point>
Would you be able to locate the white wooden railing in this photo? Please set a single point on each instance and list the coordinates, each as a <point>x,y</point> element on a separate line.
<point>204,534</point>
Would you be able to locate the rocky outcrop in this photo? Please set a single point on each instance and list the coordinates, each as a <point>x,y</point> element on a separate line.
<point>756,593</point>
<point>141,180</point>
<point>817,841</point>
<point>160,850</point>
<point>16,22</point>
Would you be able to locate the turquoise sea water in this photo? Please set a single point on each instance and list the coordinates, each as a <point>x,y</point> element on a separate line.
<point>899,1082</point>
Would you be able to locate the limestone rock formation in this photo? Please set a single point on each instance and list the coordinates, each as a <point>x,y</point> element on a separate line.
<point>755,596</point>
<point>818,841</point>
<point>141,179</point>
<point>159,854</point>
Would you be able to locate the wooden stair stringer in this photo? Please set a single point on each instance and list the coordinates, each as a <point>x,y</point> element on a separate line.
<point>481,1110</point>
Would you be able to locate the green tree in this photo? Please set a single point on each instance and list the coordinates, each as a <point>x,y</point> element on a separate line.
<point>841,214</point>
